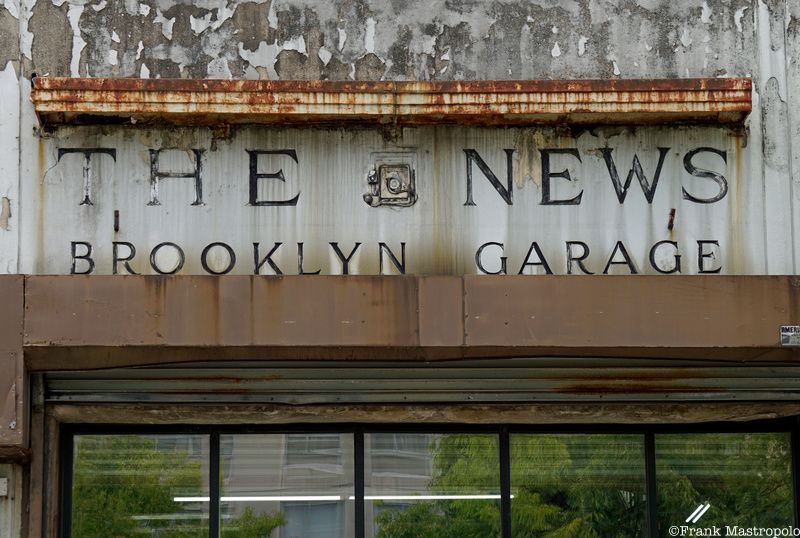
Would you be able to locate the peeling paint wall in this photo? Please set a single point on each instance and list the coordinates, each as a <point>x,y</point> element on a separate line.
<point>9,135</point>
<point>390,39</point>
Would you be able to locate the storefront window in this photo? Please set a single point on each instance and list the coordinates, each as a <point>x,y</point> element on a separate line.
<point>287,485</point>
<point>484,483</point>
<point>724,480</point>
<point>135,485</point>
<point>578,485</point>
<point>432,485</point>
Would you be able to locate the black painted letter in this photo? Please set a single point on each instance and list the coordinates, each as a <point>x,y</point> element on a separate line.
<point>300,270</point>
<point>702,255</point>
<point>547,175</point>
<point>542,261</point>
<point>676,268</point>
<point>506,192</point>
<point>87,256</point>
<point>267,259</point>
<point>400,265</point>
<point>579,259</point>
<point>157,175</point>
<point>345,260</point>
<point>479,262</point>
<point>154,263</point>
<point>87,167</point>
<point>125,261</point>
<point>620,247</point>
<point>231,258</point>
<point>255,175</point>
<point>719,179</point>
<point>621,189</point>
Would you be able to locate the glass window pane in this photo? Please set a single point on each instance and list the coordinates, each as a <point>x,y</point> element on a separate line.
<point>134,485</point>
<point>743,478</point>
<point>578,485</point>
<point>287,485</point>
<point>431,485</point>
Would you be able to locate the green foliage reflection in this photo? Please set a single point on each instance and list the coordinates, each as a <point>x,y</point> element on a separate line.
<point>587,486</point>
<point>124,485</point>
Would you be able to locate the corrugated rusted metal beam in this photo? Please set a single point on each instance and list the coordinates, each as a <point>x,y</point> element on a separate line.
<point>490,102</point>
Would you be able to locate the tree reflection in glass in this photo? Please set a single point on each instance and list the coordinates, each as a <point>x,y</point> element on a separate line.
<point>432,485</point>
<point>745,478</point>
<point>578,485</point>
<point>130,485</point>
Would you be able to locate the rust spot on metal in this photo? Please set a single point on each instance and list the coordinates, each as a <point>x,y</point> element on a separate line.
<point>15,454</point>
<point>485,102</point>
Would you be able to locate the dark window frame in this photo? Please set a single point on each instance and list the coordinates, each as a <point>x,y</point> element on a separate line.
<point>790,426</point>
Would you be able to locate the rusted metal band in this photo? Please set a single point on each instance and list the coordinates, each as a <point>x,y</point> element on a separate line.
<point>15,454</point>
<point>490,102</point>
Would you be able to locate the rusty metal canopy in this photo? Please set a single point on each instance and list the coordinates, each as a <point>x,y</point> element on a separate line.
<point>478,381</point>
<point>60,100</point>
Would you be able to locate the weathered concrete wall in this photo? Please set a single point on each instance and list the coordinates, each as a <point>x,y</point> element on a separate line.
<point>393,39</point>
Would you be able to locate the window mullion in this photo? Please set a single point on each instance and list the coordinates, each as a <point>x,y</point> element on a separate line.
<point>650,478</point>
<point>505,483</point>
<point>214,486</point>
<point>358,446</point>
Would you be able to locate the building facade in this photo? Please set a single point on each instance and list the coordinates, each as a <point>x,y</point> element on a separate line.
<point>373,268</point>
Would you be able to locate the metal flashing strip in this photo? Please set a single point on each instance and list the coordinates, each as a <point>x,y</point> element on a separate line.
<point>432,384</point>
<point>64,100</point>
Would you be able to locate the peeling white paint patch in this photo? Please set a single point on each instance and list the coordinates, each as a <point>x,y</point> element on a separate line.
<point>582,45</point>
<point>112,57</point>
<point>686,39</point>
<point>705,15</point>
<point>115,37</point>
<point>556,52</point>
<point>446,56</point>
<point>13,7</point>
<point>74,15</point>
<point>264,56</point>
<point>298,44</point>
<point>352,73</point>
<point>324,55</point>
<point>25,36</point>
<point>555,29</point>
<point>144,10</point>
<point>139,50</point>
<point>9,168</point>
<point>199,25</point>
<point>144,72</point>
<point>647,46</point>
<point>272,17</point>
<point>166,24</point>
<point>218,68</point>
<point>369,35</point>
<point>737,18</point>
<point>100,7</point>
<point>616,67</point>
<point>531,19</point>
<point>342,39</point>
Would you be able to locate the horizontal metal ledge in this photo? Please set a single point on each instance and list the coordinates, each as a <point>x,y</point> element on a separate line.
<point>403,385</point>
<point>59,100</point>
